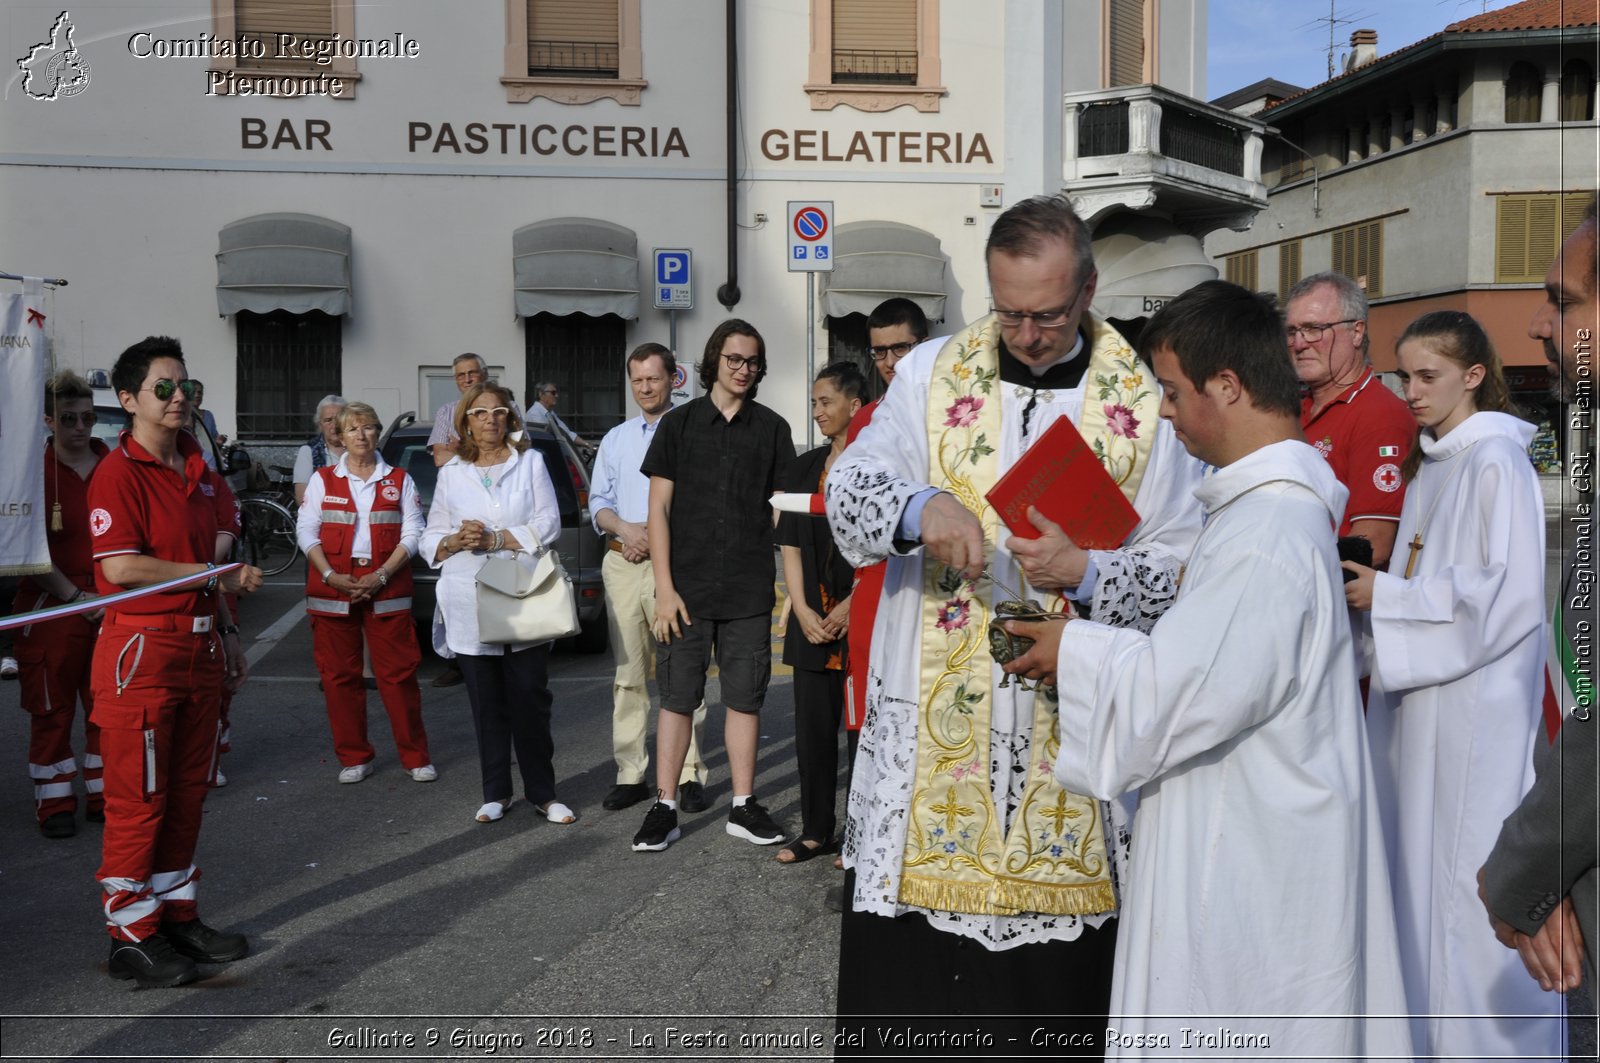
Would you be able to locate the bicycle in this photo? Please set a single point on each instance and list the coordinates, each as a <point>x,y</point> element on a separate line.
<point>268,539</point>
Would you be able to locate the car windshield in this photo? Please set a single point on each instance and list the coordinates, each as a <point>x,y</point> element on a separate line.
<point>410,452</point>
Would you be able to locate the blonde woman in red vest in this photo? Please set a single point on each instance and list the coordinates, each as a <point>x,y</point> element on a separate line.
<point>359,526</point>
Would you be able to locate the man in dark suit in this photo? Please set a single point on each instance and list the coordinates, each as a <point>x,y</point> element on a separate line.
<point>1539,883</point>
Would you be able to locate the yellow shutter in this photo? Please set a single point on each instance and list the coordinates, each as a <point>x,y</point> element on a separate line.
<point>1125,37</point>
<point>572,20</point>
<point>1343,259</point>
<point>1288,268</point>
<point>1573,205</point>
<point>1241,269</point>
<point>1528,231</point>
<point>1370,240</point>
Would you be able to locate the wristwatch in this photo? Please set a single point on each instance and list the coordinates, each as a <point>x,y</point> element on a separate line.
<point>327,574</point>
<point>229,629</point>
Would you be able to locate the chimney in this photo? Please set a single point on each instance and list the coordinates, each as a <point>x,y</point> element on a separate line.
<point>1363,50</point>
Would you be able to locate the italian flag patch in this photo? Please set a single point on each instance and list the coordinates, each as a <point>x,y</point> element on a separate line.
<point>1388,452</point>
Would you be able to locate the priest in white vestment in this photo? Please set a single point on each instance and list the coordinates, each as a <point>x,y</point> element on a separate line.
<point>1256,918</point>
<point>956,824</point>
<point>1458,652</point>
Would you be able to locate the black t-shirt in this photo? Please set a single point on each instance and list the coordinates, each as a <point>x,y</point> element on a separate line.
<point>723,471</point>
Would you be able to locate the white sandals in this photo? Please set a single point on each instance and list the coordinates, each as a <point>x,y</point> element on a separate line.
<point>493,810</point>
<point>556,812</point>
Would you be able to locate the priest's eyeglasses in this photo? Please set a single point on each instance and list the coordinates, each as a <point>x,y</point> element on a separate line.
<point>484,413</point>
<point>890,350</point>
<point>737,363</point>
<point>1313,333</point>
<point>164,389</point>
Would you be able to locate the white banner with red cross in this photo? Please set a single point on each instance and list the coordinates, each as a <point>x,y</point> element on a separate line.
<point>24,369</point>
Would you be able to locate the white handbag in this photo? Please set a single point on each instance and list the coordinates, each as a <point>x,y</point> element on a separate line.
<point>522,602</point>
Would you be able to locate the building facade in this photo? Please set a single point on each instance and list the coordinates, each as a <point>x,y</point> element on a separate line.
<point>322,196</point>
<point>1443,175</point>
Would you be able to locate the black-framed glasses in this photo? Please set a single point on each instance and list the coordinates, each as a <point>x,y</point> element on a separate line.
<point>737,363</point>
<point>72,420</point>
<point>164,389</point>
<point>483,413</point>
<point>891,350</point>
<point>1313,333</point>
<point>1041,318</point>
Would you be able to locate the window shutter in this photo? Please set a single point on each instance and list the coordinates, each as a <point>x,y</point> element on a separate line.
<point>572,20</point>
<point>1288,268</point>
<point>1511,239</point>
<point>1573,205</point>
<point>1369,239</point>
<point>1241,269</point>
<point>1125,36</point>
<point>1343,260</point>
<point>267,18</point>
<point>875,42</point>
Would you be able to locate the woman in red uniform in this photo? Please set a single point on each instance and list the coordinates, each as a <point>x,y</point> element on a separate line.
<point>54,655</point>
<point>159,668</point>
<point>359,526</point>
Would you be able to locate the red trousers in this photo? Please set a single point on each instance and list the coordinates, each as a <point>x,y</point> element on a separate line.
<point>392,638</point>
<point>54,659</point>
<point>156,699</point>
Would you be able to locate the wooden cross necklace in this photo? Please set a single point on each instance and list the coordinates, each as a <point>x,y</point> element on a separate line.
<point>1415,545</point>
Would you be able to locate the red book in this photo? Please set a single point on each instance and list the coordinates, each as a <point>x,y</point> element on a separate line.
<point>1062,478</point>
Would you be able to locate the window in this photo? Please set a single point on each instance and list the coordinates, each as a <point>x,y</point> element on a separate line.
<point>1126,47</point>
<point>1528,231</point>
<point>584,356</point>
<point>286,363</point>
<point>848,340</point>
<point>573,51</point>
<point>1288,269</point>
<point>874,55</point>
<point>283,37</point>
<point>1241,269</point>
<point>1577,92</point>
<point>1522,93</point>
<point>875,42</point>
<point>1358,254</point>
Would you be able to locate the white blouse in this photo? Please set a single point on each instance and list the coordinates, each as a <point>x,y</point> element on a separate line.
<point>308,522</point>
<point>521,502</point>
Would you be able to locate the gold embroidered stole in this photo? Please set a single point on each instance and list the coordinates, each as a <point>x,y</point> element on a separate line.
<point>1053,858</point>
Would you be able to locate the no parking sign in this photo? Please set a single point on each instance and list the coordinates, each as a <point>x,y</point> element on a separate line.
<point>810,236</point>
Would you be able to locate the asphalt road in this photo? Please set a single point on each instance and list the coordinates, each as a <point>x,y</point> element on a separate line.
<point>382,910</point>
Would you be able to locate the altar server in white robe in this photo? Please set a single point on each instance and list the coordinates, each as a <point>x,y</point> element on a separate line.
<point>1008,884</point>
<point>1256,915</point>
<point>1457,643</point>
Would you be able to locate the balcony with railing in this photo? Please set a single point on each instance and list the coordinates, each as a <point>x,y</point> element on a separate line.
<point>1142,146</point>
<point>874,66</point>
<point>572,59</point>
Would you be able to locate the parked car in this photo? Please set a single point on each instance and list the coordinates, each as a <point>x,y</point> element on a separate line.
<point>233,462</point>
<point>405,446</point>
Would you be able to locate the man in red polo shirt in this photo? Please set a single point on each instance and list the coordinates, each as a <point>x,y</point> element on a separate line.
<point>158,673</point>
<point>1360,426</point>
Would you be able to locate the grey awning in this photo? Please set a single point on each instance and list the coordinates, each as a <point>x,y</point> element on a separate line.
<point>294,262</point>
<point>1145,263</point>
<point>878,260</point>
<point>575,266</point>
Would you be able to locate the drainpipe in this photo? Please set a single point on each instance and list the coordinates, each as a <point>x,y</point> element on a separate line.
<point>728,294</point>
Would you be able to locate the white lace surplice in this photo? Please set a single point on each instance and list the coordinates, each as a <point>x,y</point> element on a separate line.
<point>867,491</point>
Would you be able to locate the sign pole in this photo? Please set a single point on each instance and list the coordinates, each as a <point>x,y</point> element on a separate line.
<point>811,352</point>
<point>672,332</point>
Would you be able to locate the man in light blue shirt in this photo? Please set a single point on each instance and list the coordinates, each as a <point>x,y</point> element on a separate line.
<point>618,499</point>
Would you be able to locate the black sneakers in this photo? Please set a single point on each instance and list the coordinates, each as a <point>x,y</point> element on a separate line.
<point>751,822</point>
<point>692,797</point>
<point>202,944</point>
<point>659,831</point>
<point>152,961</point>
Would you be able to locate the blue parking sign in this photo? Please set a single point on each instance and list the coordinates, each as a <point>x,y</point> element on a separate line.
<point>800,251</point>
<point>674,279</point>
